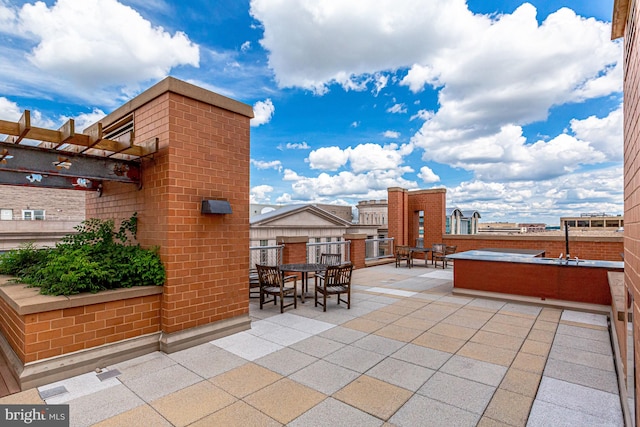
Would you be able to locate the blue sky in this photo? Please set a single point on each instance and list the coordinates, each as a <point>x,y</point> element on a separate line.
<point>515,108</point>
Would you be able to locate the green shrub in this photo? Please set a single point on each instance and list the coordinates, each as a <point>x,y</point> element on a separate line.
<point>96,258</point>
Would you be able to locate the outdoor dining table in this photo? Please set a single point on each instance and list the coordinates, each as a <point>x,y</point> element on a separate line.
<point>304,269</point>
<point>425,251</point>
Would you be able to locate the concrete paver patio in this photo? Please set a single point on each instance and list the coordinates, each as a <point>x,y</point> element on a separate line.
<point>407,353</point>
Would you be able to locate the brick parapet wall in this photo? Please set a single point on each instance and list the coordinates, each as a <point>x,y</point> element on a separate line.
<point>584,247</point>
<point>12,327</point>
<point>357,249</point>
<point>631,86</point>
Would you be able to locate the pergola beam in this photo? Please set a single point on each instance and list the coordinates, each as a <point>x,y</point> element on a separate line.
<point>24,179</point>
<point>26,159</point>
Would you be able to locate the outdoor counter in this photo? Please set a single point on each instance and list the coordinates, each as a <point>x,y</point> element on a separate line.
<point>528,275</point>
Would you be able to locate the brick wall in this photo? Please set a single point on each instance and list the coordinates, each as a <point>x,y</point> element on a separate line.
<point>57,332</point>
<point>59,205</point>
<point>403,215</point>
<point>632,174</point>
<point>204,154</point>
<point>584,247</point>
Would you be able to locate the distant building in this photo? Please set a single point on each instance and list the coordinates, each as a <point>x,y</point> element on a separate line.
<point>310,221</point>
<point>599,221</point>
<point>461,222</point>
<point>498,227</point>
<point>373,212</point>
<point>344,212</point>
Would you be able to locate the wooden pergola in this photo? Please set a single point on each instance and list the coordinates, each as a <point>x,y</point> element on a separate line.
<point>37,157</point>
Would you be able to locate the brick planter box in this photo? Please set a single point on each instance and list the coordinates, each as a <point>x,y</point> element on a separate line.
<point>47,338</point>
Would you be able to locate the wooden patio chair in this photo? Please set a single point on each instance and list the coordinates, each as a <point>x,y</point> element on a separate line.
<point>437,251</point>
<point>403,253</point>
<point>329,259</point>
<point>273,283</point>
<point>336,281</point>
<point>448,250</point>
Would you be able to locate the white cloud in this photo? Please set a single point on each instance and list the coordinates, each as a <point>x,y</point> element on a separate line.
<point>328,158</point>
<point>547,201</point>
<point>391,134</point>
<point>380,82</point>
<point>427,175</point>
<point>259,164</point>
<point>362,158</point>
<point>604,135</point>
<point>397,109</point>
<point>84,120</point>
<point>298,146</point>
<point>326,187</point>
<point>260,194</point>
<point>263,112</point>
<point>355,124</point>
<point>98,43</point>
<point>245,46</point>
<point>9,110</point>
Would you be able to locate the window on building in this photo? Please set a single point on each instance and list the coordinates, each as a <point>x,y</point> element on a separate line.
<point>598,223</point>
<point>33,214</point>
<point>6,214</point>
<point>583,223</point>
<point>448,225</point>
<point>420,223</point>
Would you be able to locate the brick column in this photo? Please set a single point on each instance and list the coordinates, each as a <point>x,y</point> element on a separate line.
<point>356,249</point>
<point>396,211</point>
<point>295,249</point>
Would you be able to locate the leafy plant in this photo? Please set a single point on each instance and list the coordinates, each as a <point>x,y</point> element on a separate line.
<point>96,258</point>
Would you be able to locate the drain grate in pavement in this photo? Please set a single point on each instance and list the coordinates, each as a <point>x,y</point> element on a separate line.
<point>108,374</point>
<point>45,394</point>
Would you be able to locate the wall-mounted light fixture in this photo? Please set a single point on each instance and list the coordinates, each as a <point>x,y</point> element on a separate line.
<point>215,207</point>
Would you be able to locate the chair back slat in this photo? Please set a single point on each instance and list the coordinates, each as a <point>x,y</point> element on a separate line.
<point>269,275</point>
<point>339,275</point>
<point>330,259</point>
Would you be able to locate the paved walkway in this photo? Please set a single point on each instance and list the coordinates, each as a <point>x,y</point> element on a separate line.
<point>408,353</point>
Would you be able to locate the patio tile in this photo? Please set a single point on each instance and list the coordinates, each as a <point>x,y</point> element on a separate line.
<point>409,322</point>
<point>486,304</point>
<point>538,348</point>
<point>422,356</point>
<point>507,342</point>
<point>439,342</point>
<point>192,403</point>
<point>301,323</point>
<point>342,334</point>
<point>586,318</point>
<point>521,382</point>
<point>456,300</point>
<point>398,333</point>
<point>373,396</point>
<point>317,346</point>
<point>475,312</point>
<point>550,314</point>
<point>476,370</point>
<point>510,408</point>
<point>142,365</point>
<point>379,344</point>
<point>399,309</point>
<point>488,422</point>
<point>505,328</point>
<point>542,336</point>
<point>515,319</point>
<point>382,316</point>
<point>364,325</point>
<point>285,336</point>
<point>354,358</point>
<point>207,360</point>
<point>582,332</point>
<point>95,407</point>
<point>487,353</point>
<point>247,346</point>
<point>400,373</point>
<point>459,392</point>
<point>325,377</point>
<point>585,344</point>
<point>422,411</point>
<point>582,357</point>
<point>332,412</point>
<point>545,326</point>
<point>162,382</point>
<point>453,331</point>
<point>240,414</point>
<point>522,309</point>
<point>245,379</point>
<point>582,375</point>
<point>75,387</point>
<point>464,320</point>
<point>579,398</point>
<point>544,414</point>
<point>142,415</point>
<point>284,400</point>
<point>285,361</point>
<point>529,362</point>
